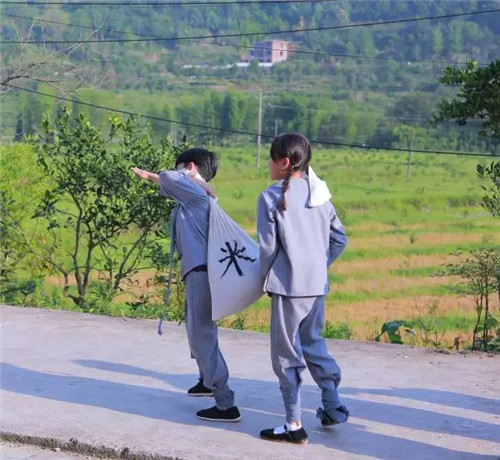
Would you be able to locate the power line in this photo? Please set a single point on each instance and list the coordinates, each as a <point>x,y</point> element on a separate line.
<point>247,133</point>
<point>380,116</point>
<point>308,52</point>
<point>153,4</point>
<point>248,34</point>
<point>319,53</point>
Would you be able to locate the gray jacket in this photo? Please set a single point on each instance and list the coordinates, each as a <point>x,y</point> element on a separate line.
<point>297,245</point>
<point>190,218</point>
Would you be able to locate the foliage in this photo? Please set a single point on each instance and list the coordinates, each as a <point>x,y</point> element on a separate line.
<point>494,344</point>
<point>383,211</point>
<point>19,184</point>
<point>336,99</point>
<point>177,308</point>
<point>94,202</point>
<point>11,250</point>
<point>430,327</point>
<point>480,278</point>
<point>478,96</point>
<point>491,198</point>
<point>153,67</point>
<point>240,322</point>
<point>337,331</point>
<point>393,330</point>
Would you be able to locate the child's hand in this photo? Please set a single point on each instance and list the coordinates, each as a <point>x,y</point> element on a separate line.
<point>143,174</point>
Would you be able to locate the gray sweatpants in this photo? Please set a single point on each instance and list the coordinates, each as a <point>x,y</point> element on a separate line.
<point>203,341</point>
<point>296,323</point>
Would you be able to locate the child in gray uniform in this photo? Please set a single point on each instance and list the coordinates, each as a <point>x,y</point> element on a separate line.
<point>188,187</point>
<point>299,239</point>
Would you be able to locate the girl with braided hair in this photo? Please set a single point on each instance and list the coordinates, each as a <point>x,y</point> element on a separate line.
<point>300,236</point>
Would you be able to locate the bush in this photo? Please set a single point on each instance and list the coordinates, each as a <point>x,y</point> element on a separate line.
<point>93,200</point>
<point>430,327</point>
<point>337,331</point>
<point>393,331</point>
<point>479,278</point>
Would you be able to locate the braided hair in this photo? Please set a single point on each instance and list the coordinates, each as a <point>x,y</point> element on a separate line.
<point>297,149</point>
<point>284,188</point>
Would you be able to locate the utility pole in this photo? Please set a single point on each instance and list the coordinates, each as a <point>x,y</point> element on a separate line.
<point>260,130</point>
<point>408,166</point>
<point>275,127</point>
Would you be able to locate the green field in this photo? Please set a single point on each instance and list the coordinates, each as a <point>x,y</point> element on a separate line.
<point>402,229</point>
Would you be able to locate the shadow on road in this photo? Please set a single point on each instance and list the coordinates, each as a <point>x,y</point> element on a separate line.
<point>260,402</point>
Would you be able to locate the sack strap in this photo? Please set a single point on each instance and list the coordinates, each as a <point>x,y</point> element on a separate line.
<point>168,287</point>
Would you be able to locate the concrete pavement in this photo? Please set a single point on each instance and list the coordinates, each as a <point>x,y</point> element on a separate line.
<point>113,382</point>
<point>9,451</point>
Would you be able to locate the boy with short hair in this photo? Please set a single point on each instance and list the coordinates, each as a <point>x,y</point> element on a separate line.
<point>187,185</point>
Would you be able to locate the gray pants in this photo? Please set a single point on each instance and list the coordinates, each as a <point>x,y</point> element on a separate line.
<point>296,323</point>
<point>203,341</point>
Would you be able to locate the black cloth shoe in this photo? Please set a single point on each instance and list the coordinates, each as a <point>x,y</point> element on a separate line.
<point>295,437</point>
<point>200,390</point>
<point>214,414</point>
<point>340,415</point>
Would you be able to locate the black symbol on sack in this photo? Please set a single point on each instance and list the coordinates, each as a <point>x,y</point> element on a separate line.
<point>232,257</point>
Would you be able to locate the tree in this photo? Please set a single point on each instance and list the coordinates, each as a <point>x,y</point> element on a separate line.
<point>19,135</point>
<point>455,36</point>
<point>479,278</point>
<point>254,68</point>
<point>415,106</point>
<point>437,42</point>
<point>20,182</point>
<point>491,198</point>
<point>230,111</point>
<point>11,250</point>
<point>55,66</point>
<point>478,97</point>
<point>99,218</point>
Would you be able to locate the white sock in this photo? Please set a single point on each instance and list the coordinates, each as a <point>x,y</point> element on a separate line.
<point>280,429</point>
<point>294,426</point>
<point>287,427</point>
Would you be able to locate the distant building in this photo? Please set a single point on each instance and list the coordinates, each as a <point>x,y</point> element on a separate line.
<point>269,52</point>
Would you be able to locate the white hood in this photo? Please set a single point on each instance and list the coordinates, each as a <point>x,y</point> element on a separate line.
<point>319,193</point>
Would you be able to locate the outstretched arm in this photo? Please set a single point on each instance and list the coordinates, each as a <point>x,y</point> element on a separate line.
<point>178,185</point>
<point>143,174</point>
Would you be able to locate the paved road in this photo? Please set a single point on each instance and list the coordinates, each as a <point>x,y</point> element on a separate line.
<point>114,382</point>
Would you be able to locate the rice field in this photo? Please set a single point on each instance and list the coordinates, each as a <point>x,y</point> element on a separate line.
<point>403,227</point>
<point>403,224</point>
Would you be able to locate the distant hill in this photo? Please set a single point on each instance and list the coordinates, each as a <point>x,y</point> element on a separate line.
<point>331,97</point>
